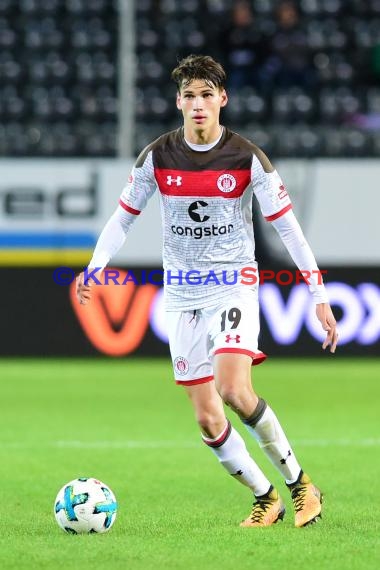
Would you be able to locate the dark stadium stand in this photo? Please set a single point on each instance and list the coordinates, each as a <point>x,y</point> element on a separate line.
<point>58,74</point>
<point>58,70</point>
<point>337,114</point>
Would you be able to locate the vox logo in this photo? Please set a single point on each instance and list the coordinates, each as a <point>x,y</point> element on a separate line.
<point>117,317</point>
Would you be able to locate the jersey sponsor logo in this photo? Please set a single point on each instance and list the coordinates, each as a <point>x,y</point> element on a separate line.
<point>170,180</point>
<point>181,365</point>
<point>201,231</point>
<point>195,209</point>
<point>195,213</point>
<point>226,183</point>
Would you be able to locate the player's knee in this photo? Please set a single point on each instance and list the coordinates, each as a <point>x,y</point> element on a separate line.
<point>209,423</point>
<point>240,400</point>
<point>230,396</point>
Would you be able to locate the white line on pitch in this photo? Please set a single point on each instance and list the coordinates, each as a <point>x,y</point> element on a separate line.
<point>172,444</point>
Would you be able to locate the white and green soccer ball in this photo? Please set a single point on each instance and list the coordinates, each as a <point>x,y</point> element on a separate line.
<point>85,505</point>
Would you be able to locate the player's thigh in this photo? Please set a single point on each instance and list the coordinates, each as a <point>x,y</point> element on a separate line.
<point>188,342</point>
<point>232,371</point>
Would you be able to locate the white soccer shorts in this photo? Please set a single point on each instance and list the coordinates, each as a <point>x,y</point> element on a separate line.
<point>196,336</point>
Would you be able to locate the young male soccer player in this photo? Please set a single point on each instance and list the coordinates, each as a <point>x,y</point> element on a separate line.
<point>206,175</point>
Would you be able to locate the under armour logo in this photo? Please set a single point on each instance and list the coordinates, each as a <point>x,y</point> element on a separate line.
<point>238,473</point>
<point>232,338</point>
<point>283,461</point>
<point>170,180</point>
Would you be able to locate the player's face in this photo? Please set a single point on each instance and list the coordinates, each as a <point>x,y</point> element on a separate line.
<point>200,104</point>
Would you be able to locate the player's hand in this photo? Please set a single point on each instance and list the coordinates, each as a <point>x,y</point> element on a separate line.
<point>83,290</point>
<point>328,322</point>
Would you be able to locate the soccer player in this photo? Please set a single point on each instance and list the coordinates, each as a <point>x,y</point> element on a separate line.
<point>205,175</point>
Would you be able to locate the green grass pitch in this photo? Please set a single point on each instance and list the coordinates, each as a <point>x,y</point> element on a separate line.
<point>126,423</point>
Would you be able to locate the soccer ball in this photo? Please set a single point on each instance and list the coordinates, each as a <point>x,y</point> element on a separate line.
<point>85,505</point>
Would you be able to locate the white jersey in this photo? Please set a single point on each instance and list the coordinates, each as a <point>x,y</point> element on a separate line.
<point>206,208</point>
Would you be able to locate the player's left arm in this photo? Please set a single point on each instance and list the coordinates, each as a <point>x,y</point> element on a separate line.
<point>328,322</point>
<point>276,207</point>
<point>294,240</point>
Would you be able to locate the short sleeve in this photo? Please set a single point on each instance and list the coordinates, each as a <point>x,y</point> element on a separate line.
<point>140,186</point>
<point>270,191</point>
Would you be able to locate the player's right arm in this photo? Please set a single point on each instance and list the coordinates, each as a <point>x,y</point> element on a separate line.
<point>140,187</point>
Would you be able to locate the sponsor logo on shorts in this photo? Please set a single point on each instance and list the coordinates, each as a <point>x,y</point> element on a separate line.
<point>181,365</point>
<point>226,183</point>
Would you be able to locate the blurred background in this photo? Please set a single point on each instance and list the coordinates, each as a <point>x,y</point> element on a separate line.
<point>85,85</point>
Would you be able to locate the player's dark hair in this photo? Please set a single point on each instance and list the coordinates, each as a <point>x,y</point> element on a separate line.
<point>199,67</point>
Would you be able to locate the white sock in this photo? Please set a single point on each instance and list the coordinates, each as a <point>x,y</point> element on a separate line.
<point>273,441</point>
<point>229,447</point>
